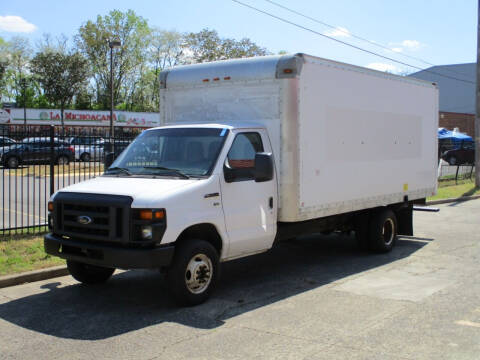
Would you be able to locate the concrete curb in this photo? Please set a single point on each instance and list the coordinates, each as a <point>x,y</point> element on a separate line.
<point>31,276</point>
<point>446,201</point>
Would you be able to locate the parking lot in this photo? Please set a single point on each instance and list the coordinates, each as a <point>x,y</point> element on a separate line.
<point>313,298</point>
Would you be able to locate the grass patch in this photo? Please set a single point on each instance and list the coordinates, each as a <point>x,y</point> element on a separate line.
<point>21,253</point>
<point>448,189</point>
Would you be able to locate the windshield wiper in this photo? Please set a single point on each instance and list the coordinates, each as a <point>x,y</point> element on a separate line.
<point>175,171</point>
<point>125,171</point>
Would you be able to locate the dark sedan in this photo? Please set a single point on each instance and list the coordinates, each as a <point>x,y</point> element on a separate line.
<point>462,155</point>
<point>36,152</point>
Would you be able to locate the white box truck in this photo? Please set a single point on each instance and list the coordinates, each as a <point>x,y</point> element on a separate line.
<point>250,152</point>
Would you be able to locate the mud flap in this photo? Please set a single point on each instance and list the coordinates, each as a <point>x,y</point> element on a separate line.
<point>405,220</point>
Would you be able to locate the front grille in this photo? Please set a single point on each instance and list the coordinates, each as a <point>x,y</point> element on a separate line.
<point>93,217</point>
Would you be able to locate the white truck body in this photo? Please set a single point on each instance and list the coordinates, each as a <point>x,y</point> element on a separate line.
<point>253,151</point>
<point>344,138</point>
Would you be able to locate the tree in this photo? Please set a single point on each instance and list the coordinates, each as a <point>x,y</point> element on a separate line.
<point>166,50</point>
<point>3,66</point>
<point>206,45</point>
<point>92,40</point>
<point>61,75</point>
<point>15,55</point>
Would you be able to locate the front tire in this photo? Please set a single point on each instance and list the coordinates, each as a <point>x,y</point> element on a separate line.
<point>13,162</point>
<point>89,274</point>
<point>194,273</point>
<point>383,231</point>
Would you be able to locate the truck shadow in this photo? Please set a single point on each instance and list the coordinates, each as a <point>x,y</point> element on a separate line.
<point>134,300</point>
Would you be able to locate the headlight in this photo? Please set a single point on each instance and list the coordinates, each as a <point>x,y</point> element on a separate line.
<point>147,232</point>
<point>149,225</point>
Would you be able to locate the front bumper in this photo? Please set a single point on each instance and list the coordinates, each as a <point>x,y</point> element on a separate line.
<point>108,256</point>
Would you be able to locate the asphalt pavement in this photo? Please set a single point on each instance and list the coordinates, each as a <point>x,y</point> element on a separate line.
<point>315,297</point>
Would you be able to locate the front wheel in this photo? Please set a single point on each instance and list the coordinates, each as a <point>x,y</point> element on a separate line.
<point>89,274</point>
<point>13,162</point>
<point>85,157</point>
<point>194,273</point>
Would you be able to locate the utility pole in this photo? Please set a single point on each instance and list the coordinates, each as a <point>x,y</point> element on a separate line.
<point>113,44</point>
<point>477,116</point>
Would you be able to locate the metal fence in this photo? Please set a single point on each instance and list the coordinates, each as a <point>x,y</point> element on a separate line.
<point>36,161</point>
<point>448,172</point>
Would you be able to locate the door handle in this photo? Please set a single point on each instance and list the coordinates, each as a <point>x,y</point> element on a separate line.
<point>270,202</point>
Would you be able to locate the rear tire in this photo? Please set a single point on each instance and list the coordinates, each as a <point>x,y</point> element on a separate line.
<point>63,160</point>
<point>383,231</point>
<point>452,160</point>
<point>194,272</point>
<point>89,274</point>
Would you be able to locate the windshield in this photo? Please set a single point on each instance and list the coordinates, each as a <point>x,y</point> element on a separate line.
<point>179,152</point>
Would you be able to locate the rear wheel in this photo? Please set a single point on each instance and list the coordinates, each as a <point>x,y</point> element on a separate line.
<point>452,160</point>
<point>63,160</point>
<point>383,231</point>
<point>194,273</point>
<point>89,274</point>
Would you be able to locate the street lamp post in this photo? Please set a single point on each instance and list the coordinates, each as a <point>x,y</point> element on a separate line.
<point>112,44</point>
<point>23,82</point>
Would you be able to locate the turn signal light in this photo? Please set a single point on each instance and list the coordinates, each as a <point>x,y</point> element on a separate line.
<point>149,214</point>
<point>50,206</point>
<point>287,71</point>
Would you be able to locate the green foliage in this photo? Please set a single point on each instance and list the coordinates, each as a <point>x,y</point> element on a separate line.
<point>93,40</point>
<point>206,45</point>
<point>61,74</point>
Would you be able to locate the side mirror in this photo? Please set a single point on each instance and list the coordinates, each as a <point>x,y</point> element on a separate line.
<point>263,167</point>
<point>228,172</point>
<point>109,158</point>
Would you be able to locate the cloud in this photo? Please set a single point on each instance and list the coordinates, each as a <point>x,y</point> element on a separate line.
<point>411,44</point>
<point>383,67</point>
<point>12,23</point>
<point>397,49</point>
<point>338,32</point>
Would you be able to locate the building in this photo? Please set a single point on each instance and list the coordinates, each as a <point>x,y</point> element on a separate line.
<point>456,84</point>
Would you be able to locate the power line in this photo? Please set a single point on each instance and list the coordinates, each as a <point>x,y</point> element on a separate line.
<point>346,32</point>
<point>346,43</point>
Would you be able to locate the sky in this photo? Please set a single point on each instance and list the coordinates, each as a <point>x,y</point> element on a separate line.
<point>438,32</point>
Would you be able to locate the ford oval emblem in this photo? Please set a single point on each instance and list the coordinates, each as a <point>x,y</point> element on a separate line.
<point>84,220</point>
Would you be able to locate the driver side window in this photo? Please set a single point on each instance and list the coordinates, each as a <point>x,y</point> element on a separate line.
<point>241,157</point>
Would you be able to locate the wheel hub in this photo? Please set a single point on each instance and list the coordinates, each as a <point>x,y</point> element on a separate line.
<point>388,231</point>
<point>198,273</point>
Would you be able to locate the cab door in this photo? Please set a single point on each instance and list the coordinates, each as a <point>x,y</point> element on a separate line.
<point>250,207</point>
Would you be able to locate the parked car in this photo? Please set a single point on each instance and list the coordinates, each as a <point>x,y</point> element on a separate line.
<point>5,141</point>
<point>465,154</point>
<point>37,151</point>
<point>87,147</point>
<point>119,146</point>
